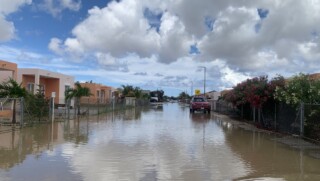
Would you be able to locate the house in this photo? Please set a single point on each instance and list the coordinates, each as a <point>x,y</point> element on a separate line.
<point>100,93</point>
<point>315,76</point>
<point>45,81</point>
<point>8,70</point>
<point>213,95</point>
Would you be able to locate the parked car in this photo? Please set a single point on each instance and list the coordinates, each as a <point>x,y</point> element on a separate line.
<point>200,104</point>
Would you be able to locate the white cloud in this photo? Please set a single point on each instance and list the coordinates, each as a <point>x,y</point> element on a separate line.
<point>55,46</point>
<point>70,4</point>
<point>230,77</point>
<point>30,59</point>
<point>175,42</point>
<point>10,6</point>
<point>118,29</point>
<point>235,39</point>
<point>7,30</point>
<point>121,28</point>
<point>55,7</point>
<point>232,38</point>
<point>109,62</point>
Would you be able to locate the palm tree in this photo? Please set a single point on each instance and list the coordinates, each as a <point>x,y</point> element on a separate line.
<point>11,89</point>
<point>77,93</point>
<point>130,91</point>
<point>127,91</point>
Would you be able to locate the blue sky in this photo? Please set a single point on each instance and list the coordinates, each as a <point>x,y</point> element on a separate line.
<point>161,44</point>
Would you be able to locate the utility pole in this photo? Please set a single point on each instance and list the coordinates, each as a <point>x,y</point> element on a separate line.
<point>204,79</point>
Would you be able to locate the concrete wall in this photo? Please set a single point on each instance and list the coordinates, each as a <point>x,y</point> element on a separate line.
<point>52,81</point>
<point>105,92</point>
<point>7,70</point>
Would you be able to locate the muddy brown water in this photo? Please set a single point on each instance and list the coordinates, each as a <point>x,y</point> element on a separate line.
<point>156,143</point>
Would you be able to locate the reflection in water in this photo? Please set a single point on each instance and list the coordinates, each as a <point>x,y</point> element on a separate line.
<point>270,158</point>
<point>151,144</point>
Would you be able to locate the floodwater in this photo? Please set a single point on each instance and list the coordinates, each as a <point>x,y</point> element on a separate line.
<point>156,143</point>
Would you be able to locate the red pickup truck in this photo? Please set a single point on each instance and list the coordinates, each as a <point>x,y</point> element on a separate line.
<point>200,104</point>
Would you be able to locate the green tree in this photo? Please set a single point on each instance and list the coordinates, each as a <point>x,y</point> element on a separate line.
<point>38,104</point>
<point>158,93</point>
<point>11,89</point>
<point>127,90</point>
<point>77,93</point>
<point>130,91</point>
<point>183,95</point>
<point>299,88</point>
<point>137,92</point>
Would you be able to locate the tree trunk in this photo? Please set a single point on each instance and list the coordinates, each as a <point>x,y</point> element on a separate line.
<point>78,105</point>
<point>259,116</point>
<point>14,112</point>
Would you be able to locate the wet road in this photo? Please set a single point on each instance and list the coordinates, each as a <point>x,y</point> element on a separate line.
<point>159,143</point>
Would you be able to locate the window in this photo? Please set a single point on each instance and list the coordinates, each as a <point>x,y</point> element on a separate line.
<point>66,87</point>
<point>42,89</point>
<point>30,87</point>
<point>98,94</point>
<point>199,100</point>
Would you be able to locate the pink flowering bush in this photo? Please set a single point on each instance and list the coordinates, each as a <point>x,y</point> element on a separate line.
<point>255,91</point>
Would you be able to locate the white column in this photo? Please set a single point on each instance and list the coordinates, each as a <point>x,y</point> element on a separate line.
<point>36,83</point>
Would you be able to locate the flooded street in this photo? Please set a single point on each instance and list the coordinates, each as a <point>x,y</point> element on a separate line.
<point>156,143</point>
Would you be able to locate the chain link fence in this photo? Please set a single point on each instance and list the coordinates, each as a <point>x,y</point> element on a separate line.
<point>302,120</point>
<point>22,111</point>
<point>11,111</point>
<point>311,114</point>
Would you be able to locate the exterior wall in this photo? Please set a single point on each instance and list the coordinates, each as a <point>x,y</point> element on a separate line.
<point>315,76</point>
<point>214,98</point>
<point>130,101</point>
<point>99,93</point>
<point>52,82</point>
<point>216,95</point>
<point>7,70</point>
<point>213,95</point>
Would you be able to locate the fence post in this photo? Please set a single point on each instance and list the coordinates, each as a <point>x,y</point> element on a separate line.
<point>21,111</point>
<point>53,95</point>
<point>275,116</point>
<point>254,114</point>
<point>301,119</point>
<point>98,105</point>
<point>241,111</point>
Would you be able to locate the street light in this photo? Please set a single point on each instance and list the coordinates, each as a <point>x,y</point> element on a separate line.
<point>204,79</point>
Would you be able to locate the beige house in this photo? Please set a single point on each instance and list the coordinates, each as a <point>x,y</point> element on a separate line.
<point>7,70</point>
<point>213,95</point>
<point>46,81</point>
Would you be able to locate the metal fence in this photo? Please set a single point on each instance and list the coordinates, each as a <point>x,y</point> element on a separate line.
<point>225,108</point>
<point>31,111</point>
<point>11,111</point>
<point>302,120</point>
<point>311,115</point>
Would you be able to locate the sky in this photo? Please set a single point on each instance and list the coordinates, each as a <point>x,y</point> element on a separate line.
<point>163,44</point>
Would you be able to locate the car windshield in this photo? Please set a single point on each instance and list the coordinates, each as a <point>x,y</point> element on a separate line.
<point>198,99</point>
